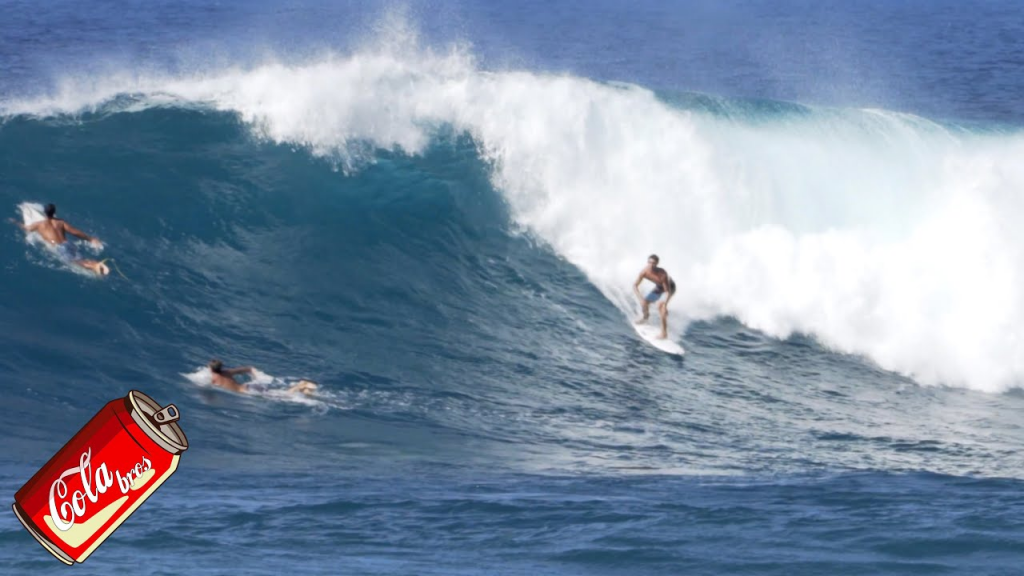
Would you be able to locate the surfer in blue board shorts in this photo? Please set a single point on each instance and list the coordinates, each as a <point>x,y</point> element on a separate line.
<point>55,231</point>
<point>664,285</point>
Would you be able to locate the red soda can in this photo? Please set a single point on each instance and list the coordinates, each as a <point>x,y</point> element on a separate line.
<point>106,471</point>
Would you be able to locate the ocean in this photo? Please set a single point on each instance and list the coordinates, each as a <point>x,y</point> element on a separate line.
<point>437,211</point>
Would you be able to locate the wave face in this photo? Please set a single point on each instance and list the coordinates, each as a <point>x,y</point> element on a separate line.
<point>879,234</point>
<point>428,234</point>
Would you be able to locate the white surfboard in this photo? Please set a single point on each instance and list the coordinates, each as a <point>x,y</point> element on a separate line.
<point>31,213</point>
<point>650,333</point>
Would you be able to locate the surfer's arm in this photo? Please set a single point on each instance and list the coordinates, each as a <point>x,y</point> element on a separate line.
<point>234,371</point>
<point>636,285</point>
<point>75,231</point>
<point>29,228</point>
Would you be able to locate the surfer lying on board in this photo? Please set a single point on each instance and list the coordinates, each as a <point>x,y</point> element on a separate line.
<point>225,378</point>
<point>54,231</point>
<point>663,284</point>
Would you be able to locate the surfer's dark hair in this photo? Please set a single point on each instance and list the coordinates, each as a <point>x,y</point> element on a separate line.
<point>654,257</point>
<point>216,366</point>
<point>51,209</point>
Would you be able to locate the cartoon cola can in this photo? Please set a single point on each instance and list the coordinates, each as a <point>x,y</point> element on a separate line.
<point>106,471</point>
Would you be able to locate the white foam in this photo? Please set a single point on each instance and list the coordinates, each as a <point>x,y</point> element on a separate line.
<point>881,234</point>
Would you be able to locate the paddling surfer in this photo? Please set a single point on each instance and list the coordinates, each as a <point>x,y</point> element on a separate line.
<point>225,378</point>
<point>55,231</point>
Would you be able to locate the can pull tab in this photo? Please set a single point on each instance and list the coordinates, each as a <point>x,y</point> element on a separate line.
<point>166,415</point>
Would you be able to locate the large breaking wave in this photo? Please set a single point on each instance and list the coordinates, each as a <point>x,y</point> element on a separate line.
<point>880,234</point>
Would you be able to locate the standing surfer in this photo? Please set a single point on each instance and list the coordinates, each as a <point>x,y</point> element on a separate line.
<point>663,284</point>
